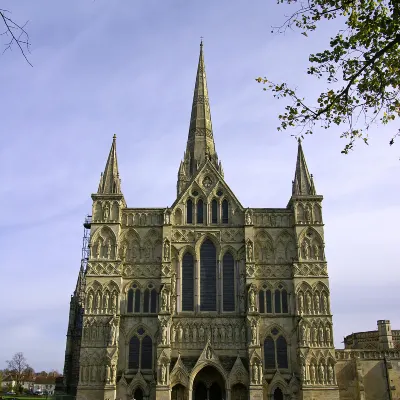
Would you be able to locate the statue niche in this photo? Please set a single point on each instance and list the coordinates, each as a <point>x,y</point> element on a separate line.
<point>311,247</point>
<point>104,245</point>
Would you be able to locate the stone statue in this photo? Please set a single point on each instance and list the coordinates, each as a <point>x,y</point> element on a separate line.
<point>97,252</point>
<point>180,334</point>
<point>303,333</point>
<point>108,374</point>
<point>252,300</point>
<point>173,284</point>
<point>114,302</point>
<point>307,214</point>
<point>229,333</point>
<point>315,335</point>
<point>324,304</point>
<point>248,218</point>
<point>106,301</point>
<point>222,334</point>
<point>316,304</point>
<point>113,334</point>
<point>164,335</point>
<point>249,252</point>
<point>308,303</point>
<point>201,333</point>
<point>237,334</point>
<point>328,335</point>
<point>98,301</point>
<point>330,374</point>
<point>215,335</point>
<point>316,251</point>
<point>167,218</point>
<point>90,302</point>
<point>254,334</point>
<point>243,333</point>
<point>108,249</point>
<point>164,300</point>
<point>301,303</point>
<point>321,373</point>
<point>124,250</point>
<point>194,333</point>
<point>113,374</point>
<point>187,334</point>
<point>303,372</point>
<point>208,353</point>
<point>166,251</point>
<point>173,333</point>
<point>173,305</point>
<point>255,373</point>
<point>306,250</point>
<point>106,213</point>
<point>163,374</point>
<point>321,336</point>
<point>312,373</point>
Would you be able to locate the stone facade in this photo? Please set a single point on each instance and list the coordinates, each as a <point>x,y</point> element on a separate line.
<point>205,299</point>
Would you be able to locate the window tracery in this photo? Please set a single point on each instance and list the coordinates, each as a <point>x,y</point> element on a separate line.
<point>275,351</point>
<point>140,354</point>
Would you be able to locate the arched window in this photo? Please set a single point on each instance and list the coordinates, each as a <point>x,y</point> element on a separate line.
<point>278,305</point>
<point>187,282</point>
<point>133,299</point>
<point>261,301</point>
<point>200,211</point>
<point>140,351</point>
<point>189,211</point>
<point>281,300</point>
<point>138,395</point>
<point>265,300</point>
<point>134,351</point>
<point>150,300</point>
<point>146,353</point>
<point>208,276</point>
<point>146,301</point>
<point>281,352</point>
<point>214,212</point>
<point>225,211</point>
<point>228,276</point>
<point>153,301</point>
<point>269,353</point>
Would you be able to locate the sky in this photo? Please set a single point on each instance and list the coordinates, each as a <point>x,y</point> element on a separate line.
<point>128,68</point>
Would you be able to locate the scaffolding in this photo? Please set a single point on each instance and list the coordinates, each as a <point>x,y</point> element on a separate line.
<point>85,242</point>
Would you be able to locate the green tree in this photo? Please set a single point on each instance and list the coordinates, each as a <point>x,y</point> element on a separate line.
<point>361,67</point>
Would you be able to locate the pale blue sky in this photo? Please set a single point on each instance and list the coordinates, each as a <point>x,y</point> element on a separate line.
<point>128,67</point>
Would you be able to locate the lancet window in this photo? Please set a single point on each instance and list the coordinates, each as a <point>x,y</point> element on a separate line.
<point>208,276</point>
<point>228,282</point>
<point>140,351</point>
<point>200,211</point>
<point>214,212</point>
<point>150,300</point>
<point>189,211</point>
<point>188,282</point>
<point>133,299</point>
<point>225,212</point>
<point>273,301</point>
<point>275,351</point>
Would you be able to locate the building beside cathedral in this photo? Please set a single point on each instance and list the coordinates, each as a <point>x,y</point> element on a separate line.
<point>211,299</point>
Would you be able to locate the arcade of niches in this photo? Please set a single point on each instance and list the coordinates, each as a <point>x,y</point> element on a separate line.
<point>208,299</point>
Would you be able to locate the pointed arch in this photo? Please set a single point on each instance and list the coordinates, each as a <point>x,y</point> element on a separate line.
<point>208,276</point>
<point>228,282</point>
<point>189,211</point>
<point>187,281</point>
<point>200,214</point>
<point>225,211</point>
<point>214,211</point>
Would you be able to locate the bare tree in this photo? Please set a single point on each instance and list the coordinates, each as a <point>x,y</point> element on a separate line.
<point>18,367</point>
<point>15,34</point>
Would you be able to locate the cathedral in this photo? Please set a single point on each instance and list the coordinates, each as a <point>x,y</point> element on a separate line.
<point>209,299</point>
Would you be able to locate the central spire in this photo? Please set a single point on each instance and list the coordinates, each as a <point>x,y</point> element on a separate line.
<point>200,145</point>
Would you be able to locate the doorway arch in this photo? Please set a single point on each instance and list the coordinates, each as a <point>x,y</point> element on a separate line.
<point>138,394</point>
<point>208,384</point>
<point>239,392</point>
<point>278,394</point>
<point>179,392</point>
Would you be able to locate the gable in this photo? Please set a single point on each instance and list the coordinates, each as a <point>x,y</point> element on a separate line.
<point>207,182</point>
